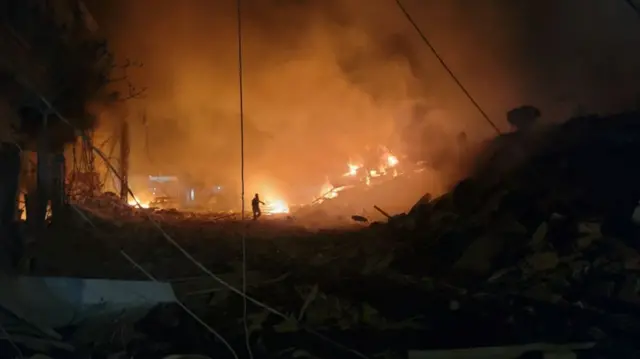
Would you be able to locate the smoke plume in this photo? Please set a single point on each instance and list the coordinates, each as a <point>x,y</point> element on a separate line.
<point>323,79</point>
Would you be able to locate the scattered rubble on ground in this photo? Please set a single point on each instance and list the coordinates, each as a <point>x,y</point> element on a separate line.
<point>538,248</point>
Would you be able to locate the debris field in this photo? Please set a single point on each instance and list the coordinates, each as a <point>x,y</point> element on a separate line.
<point>537,245</point>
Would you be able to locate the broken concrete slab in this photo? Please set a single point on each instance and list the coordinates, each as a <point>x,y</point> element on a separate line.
<point>50,302</point>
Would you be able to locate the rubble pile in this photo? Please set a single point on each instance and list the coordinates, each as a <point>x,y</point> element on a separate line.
<point>547,216</point>
<point>537,246</point>
<point>577,181</point>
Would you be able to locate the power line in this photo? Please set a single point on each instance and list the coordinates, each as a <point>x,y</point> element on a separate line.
<point>444,64</point>
<point>242,216</point>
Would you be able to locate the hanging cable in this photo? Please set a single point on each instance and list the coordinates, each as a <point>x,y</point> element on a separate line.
<point>242,216</point>
<point>444,64</point>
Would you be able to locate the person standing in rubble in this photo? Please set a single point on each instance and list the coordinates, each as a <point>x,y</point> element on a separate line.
<point>255,205</point>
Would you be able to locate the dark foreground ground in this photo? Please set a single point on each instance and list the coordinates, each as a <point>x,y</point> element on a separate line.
<point>539,248</point>
<point>367,289</point>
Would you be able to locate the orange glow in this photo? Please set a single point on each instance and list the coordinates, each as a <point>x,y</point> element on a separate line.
<point>327,191</point>
<point>353,170</point>
<point>321,91</point>
<point>273,198</point>
<point>392,160</point>
<point>135,201</point>
<point>277,206</point>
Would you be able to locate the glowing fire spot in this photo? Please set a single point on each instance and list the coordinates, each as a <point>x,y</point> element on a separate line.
<point>353,170</point>
<point>134,203</point>
<point>328,191</point>
<point>276,207</point>
<point>392,160</point>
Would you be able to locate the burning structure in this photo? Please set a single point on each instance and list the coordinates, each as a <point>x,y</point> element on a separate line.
<point>52,57</point>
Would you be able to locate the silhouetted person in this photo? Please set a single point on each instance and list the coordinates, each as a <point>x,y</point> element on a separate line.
<point>255,205</point>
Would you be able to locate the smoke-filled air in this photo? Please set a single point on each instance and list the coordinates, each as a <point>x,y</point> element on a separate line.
<point>324,80</point>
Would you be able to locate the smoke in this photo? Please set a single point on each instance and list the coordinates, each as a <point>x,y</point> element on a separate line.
<point>323,79</point>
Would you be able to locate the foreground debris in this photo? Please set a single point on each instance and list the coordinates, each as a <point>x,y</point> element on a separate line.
<point>540,248</point>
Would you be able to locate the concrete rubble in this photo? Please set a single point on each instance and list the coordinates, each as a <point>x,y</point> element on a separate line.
<point>529,257</point>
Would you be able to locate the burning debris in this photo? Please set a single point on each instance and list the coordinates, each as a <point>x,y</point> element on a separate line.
<point>277,206</point>
<point>136,202</point>
<point>384,163</point>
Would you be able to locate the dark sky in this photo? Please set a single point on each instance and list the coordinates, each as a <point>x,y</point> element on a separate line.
<point>324,78</point>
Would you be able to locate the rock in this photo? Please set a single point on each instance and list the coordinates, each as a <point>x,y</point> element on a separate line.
<point>627,256</point>
<point>560,355</point>
<point>361,219</point>
<point>538,238</point>
<point>585,242</point>
<point>479,256</point>
<point>630,289</point>
<point>543,293</point>
<point>423,203</point>
<point>589,228</point>
<point>543,261</point>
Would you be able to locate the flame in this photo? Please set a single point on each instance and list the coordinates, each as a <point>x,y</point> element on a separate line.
<point>353,170</point>
<point>392,160</point>
<point>135,200</point>
<point>277,206</point>
<point>327,191</point>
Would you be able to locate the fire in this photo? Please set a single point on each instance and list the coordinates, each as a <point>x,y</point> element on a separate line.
<point>134,203</point>
<point>353,170</point>
<point>277,206</point>
<point>327,191</point>
<point>392,160</point>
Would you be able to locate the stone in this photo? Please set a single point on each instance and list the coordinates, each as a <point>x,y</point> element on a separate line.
<point>543,261</point>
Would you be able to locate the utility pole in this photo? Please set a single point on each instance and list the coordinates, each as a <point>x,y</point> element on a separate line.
<point>124,161</point>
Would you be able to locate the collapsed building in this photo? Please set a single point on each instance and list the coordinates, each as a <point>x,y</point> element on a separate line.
<point>53,61</point>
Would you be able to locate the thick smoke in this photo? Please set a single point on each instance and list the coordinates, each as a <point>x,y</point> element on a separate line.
<point>325,78</point>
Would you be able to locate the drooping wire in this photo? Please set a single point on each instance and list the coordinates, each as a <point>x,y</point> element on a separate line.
<point>446,67</point>
<point>181,304</point>
<point>242,216</point>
